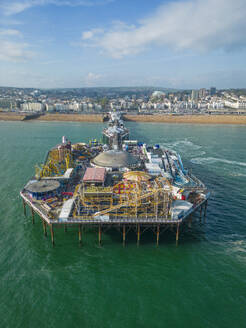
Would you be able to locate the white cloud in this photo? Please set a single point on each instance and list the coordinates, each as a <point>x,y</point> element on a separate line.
<point>10,32</point>
<point>16,7</point>
<point>194,25</point>
<point>87,35</point>
<point>92,79</point>
<point>14,51</point>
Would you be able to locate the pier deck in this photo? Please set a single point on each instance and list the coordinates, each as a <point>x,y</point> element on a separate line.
<point>124,225</point>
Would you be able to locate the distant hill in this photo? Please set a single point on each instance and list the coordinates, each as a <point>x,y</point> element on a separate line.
<point>90,91</point>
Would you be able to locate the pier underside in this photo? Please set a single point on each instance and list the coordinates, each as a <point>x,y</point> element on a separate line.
<point>139,225</point>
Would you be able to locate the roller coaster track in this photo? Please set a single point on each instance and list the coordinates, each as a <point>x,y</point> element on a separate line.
<point>129,202</point>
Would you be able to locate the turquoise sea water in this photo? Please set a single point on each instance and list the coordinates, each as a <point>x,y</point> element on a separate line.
<point>200,283</point>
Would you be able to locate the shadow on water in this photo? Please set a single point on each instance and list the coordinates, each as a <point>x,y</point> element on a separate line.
<point>167,237</point>
<point>68,241</point>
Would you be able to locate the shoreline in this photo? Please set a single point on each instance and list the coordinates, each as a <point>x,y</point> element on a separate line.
<point>99,118</point>
<point>11,116</point>
<point>51,117</point>
<point>71,118</point>
<point>188,119</point>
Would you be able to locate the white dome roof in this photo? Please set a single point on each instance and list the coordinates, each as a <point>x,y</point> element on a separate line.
<point>115,159</point>
<point>158,94</point>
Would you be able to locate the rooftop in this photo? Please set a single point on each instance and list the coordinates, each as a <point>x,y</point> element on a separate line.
<point>94,174</point>
<point>43,186</point>
<point>115,159</point>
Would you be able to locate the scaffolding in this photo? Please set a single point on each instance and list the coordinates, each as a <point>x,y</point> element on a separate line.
<point>55,165</point>
<point>141,199</point>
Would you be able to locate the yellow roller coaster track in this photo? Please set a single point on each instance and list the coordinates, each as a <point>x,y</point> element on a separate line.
<point>130,202</point>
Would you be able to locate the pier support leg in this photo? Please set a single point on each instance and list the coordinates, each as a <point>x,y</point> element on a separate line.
<point>33,216</point>
<point>24,207</point>
<point>205,211</point>
<point>124,235</point>
<point>177,235</point>
<point>52,234</point>
<point>201,213</point>
<point>138,233</point>
<point>45,228</point>
<point>65,228</point>
<point>80,235</point>
<point>190,221</point>
<point>157,235</point>
<point>99,234</point>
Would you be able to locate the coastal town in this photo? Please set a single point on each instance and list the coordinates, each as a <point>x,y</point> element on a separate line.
<point>145,101</point>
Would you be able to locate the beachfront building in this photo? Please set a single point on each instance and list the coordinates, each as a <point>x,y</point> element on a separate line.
<point>49,108</point>
<point>67,107</point>
<point>235,104</point>
<point>219,104</point>
<point>98,108</point>
<point>202,93</point>
<point>84,106</point>
<point>60,107</point>
<point>212,91</point>
<point>32,107</point>
<point>194,95</point>
<point>74,106</point>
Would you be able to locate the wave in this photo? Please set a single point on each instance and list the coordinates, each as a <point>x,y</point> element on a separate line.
<point>184,147</point>
<point>186,143</point>
<point>201,153</point>
<point>180,144</point>
<point>238,174</point>
<point>238,249</point>
<point>213,160</point>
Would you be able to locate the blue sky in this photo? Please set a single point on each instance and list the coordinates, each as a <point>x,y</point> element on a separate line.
<point>81,43</point>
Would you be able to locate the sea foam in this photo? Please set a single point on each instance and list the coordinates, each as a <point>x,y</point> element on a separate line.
<point>213,160</point>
